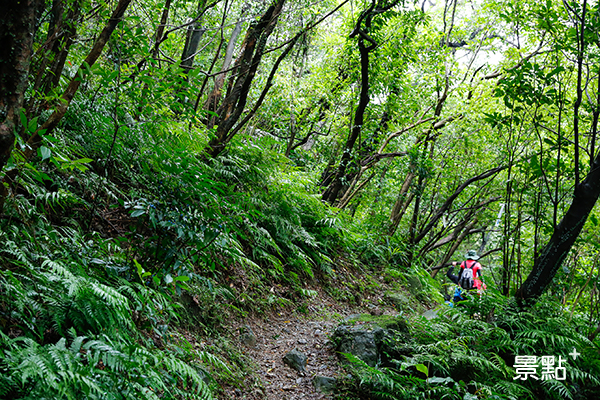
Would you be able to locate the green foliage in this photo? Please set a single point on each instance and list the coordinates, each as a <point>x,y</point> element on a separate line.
<point>88,368</point>
<point>460,355</point>
<point>119,229</point>
<point>194,216</point>
<point>67,335</point>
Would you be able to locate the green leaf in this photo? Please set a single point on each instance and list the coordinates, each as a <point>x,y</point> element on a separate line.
<point>423,369</point>
<point>138,266</point>
<point>23,117</point>
<point>45,153</point>
<point>138,212</point>
<point>32,125</point>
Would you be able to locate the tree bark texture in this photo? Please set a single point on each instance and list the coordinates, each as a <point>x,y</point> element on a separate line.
<point>16,38</point>
<point>340,181</point>
<point>333,190</point>
<point>547,263</point>
<point>49,68</point>
<point>65,34</point>
<point>214,97</point>
<point>233,105</point>
<point>194,33</point>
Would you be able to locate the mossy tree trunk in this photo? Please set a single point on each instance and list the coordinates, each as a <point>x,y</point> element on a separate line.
<point>16,25</point>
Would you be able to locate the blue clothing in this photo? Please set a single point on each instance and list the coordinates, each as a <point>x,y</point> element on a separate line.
<point>458,295</point>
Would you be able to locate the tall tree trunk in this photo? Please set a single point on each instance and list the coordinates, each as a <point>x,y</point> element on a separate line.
<point>65,32</point>
<point>585,196</point>
<point>333,190</point>
<point>254,45</point>
<point>214,98</point>
<point>194,33</point>
<point>16,40</point>
<point>547,263</point>
<point>401,204</point>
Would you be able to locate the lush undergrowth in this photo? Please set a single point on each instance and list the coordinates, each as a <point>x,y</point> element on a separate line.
<point>468,352</point>
<point>99,256</point>
<point>119,252</point>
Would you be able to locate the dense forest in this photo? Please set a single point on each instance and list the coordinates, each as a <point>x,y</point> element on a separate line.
<point>173,168</point>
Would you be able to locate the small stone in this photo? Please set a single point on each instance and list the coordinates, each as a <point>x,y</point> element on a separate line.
<point>295,360</point>
<point>318,332</point>
<point>324,384</point>
<point>248,337</point>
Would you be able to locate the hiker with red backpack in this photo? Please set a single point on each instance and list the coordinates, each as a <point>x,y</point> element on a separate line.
<point>469,276</point>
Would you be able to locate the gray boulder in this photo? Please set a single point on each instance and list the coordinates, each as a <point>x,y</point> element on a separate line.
<point>359,342</point>
<point>295,360</point>
<point>366,337</point>
<point>324,384</point>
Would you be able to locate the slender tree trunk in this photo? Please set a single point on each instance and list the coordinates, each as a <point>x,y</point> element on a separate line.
<point>194,33</point>
<point>450,200</point>
<point>401,204</point>
<point>230,111</point>
<point>461,237</point>
<point>62,105</point>
<point>333,190</point>
<point>214,98</point>
<point>49,52</point>
<point>506,259</point>
<point>254,45</point>
<point>585,196</point>
<point>61,48</point>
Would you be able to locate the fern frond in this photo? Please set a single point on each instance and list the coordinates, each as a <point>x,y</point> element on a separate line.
<point>554,386</point>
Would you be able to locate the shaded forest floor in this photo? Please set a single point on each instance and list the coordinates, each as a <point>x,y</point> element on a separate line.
<point>308,332</point>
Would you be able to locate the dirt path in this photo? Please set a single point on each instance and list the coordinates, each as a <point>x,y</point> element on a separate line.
<point>286,331</point>
<point>283,335</point>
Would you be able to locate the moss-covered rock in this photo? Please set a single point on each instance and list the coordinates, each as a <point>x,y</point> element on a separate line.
<point>388,322</point>
<point>368,336</point>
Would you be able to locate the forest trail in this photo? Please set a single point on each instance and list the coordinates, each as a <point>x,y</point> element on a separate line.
<point>281,335</point>
<point>287,330</point>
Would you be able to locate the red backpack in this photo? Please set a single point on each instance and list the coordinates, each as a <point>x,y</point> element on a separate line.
<point>467,277</point>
